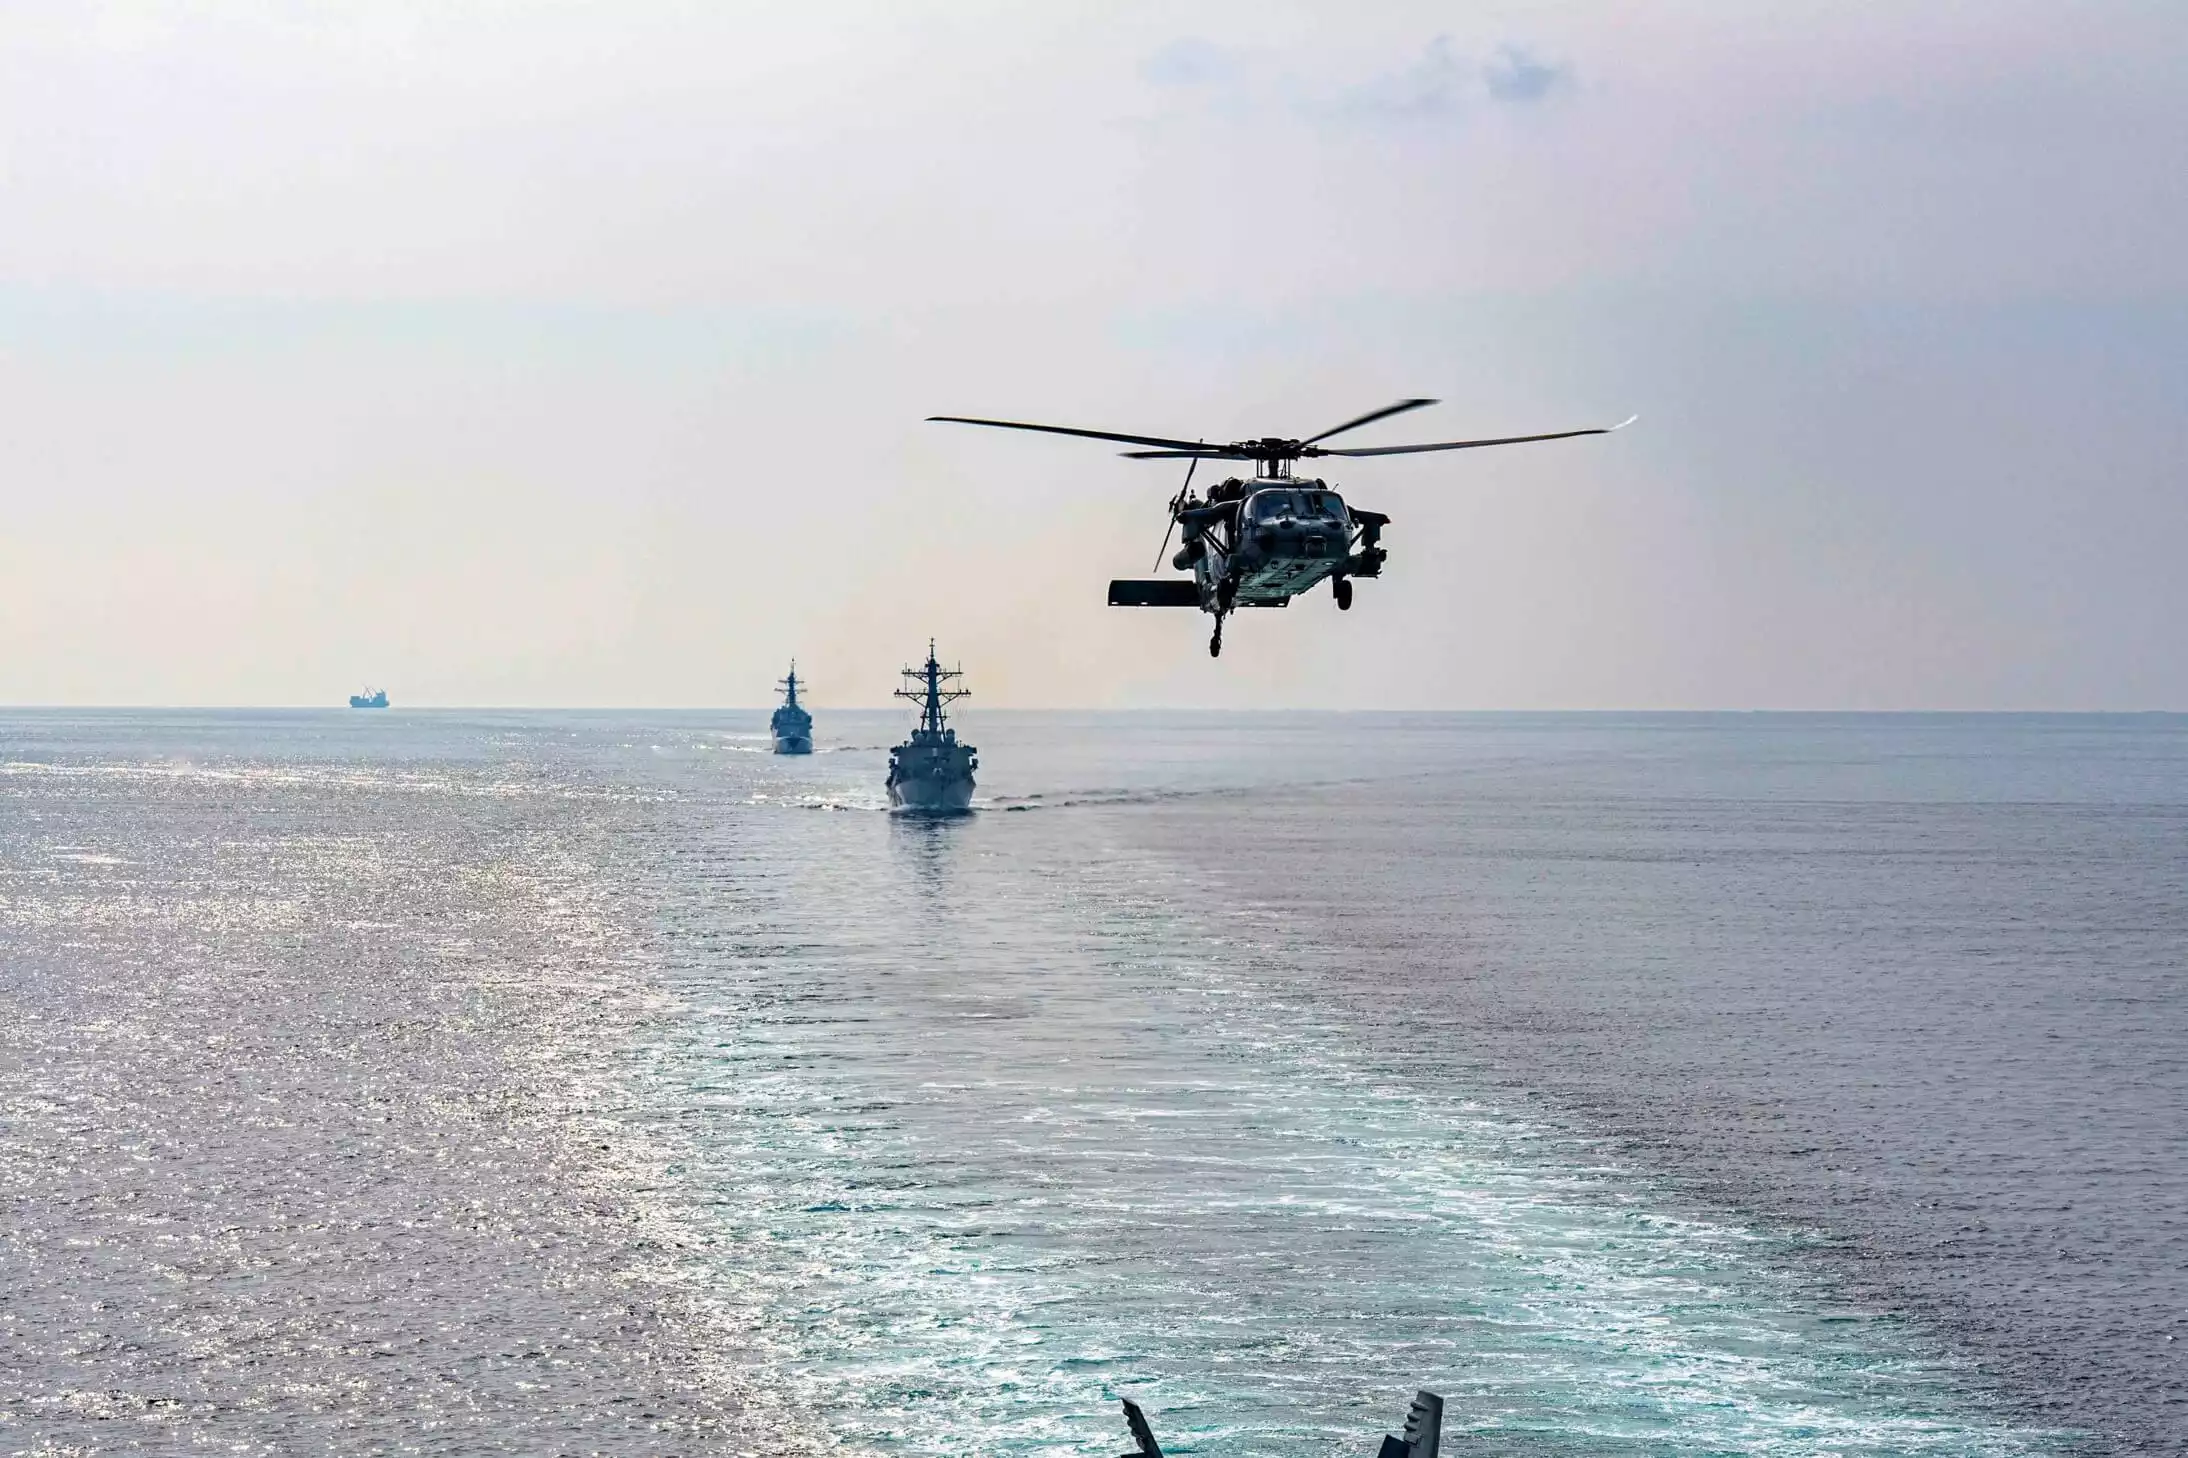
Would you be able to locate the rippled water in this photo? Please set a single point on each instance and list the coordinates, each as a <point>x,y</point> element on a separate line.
<point>598,1083</point>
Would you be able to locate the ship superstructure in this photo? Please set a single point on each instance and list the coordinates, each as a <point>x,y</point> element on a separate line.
<point>791,725</point>
<point>931,772</point>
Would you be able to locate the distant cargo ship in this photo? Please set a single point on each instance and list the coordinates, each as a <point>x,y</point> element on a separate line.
<point>931,773</point>
<point>371,698</point>
<point>791,725</point>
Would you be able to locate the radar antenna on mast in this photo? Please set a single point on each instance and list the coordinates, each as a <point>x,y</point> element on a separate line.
<point>789,686</point>
<point>931,686</point>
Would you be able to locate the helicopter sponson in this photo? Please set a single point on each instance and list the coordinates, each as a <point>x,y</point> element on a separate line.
<point>1260,542</point>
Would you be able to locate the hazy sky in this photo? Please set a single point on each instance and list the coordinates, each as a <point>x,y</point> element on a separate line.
<point>561,353</point>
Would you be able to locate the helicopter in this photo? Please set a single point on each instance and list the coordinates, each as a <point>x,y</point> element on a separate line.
<point>1260,542</point>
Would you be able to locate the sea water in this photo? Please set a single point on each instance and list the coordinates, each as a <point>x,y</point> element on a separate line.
<point>543,1083</point>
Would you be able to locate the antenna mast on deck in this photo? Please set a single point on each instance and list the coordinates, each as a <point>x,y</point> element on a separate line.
<point>929,690</point>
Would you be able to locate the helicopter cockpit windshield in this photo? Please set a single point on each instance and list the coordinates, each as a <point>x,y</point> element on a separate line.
<point>1306,505</point>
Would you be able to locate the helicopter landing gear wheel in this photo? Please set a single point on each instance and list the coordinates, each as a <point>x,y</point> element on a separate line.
<point>1215,640</point>
<point>1342,589</point>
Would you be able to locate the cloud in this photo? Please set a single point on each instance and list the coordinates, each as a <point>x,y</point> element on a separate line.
<point>1441,83</point>
<point>1191,61</point>
<point>1437,84</point>
<point>1517,76</point>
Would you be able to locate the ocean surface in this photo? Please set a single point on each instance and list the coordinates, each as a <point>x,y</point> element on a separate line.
<point>554,1083</point>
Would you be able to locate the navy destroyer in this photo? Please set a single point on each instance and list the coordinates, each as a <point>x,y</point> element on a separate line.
<point>931,773</point>
<point>791,725</point>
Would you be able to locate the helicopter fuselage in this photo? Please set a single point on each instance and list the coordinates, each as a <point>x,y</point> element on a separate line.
<point>1261,543</point>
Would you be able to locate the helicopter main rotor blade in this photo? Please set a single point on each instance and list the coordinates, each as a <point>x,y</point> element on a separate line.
<point>1368,419</point>
<point>1212,453</point>
<point>1145,440</point>
<point>1467,445</point>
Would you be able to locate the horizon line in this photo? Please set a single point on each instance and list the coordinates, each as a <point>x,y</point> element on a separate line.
<point>538,708</point>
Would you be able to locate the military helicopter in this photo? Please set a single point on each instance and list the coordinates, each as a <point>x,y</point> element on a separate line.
<point>1262,542</point>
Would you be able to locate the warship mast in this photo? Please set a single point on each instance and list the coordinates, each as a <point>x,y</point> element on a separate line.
<point>931,693</point>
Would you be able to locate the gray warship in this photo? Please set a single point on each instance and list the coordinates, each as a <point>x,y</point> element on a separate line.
<point>931,773</point>
<point>791,725</point>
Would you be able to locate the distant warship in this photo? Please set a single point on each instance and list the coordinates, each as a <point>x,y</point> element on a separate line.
<point>371,698</point>
<point>792,726</point>
<point>931,773</point>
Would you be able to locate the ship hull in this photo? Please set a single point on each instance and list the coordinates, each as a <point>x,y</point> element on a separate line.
<point>793,744</point>
<point>921,795</point>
